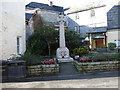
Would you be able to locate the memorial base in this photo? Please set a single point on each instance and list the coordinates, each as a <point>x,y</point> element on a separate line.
<point>69,59</point>
<point>62,55</point>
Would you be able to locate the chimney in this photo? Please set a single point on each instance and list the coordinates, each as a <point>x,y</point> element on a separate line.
<point>51,3</point>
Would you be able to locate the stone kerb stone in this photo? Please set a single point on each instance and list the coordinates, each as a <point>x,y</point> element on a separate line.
<point>97,66</point>
<point>42,69</point>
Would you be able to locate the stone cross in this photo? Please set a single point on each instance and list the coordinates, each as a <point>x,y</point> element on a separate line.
<point>62,20</point>
<point>62,53</point>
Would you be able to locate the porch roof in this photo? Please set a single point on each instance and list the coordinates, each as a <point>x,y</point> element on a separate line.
<point>98,30</point>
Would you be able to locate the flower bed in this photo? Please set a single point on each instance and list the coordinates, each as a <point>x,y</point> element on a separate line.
<point>96,66</point>
<point>82,60</point>
<point>47,66</point>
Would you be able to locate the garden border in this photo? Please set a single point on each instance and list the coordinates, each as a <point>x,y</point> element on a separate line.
<point>97,66</point>
<point>39,70</point>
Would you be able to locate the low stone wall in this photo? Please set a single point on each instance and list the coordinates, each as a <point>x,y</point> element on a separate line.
<point>97,66</point>
<point>42,69</point>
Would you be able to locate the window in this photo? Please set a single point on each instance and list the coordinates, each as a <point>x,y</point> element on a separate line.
<point>57,29</point>
<point>92,13</point>
<point>77,29</point>
<point>19,48</point>
<point>77,16</point>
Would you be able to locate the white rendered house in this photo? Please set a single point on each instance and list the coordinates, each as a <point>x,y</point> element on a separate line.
<point>12,30</point>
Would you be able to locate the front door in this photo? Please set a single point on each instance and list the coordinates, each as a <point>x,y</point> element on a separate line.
<point>99,42</point>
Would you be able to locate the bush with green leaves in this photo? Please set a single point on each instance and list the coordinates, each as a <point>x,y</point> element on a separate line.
<point>41,42</point>
<point>33,59</point>
<point>80,51</point>
<point>45,41</point>
<point>111,45</point>
<point>73,40</point>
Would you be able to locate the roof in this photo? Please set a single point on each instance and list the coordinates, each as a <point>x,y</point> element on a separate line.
<point>54,23</point>
<point>28,15</point>
<point>45,6</point>
<point>113,18</point>
<point>98,30</point>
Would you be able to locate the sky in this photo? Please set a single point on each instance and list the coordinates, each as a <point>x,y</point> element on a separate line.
<point>72,3</point>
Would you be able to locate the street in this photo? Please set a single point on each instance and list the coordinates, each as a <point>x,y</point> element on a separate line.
<point>111,82</point>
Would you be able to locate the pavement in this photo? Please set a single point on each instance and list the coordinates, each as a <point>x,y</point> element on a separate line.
<point>68,77</point>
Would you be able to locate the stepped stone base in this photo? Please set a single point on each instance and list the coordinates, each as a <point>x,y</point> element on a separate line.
<point>69,59</point>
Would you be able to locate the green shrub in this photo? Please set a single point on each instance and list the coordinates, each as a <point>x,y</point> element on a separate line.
<point>104,56</point>
<point>45,41</point>
<point>33,59</point>
<point>111,45</point>
<point>80,51</point>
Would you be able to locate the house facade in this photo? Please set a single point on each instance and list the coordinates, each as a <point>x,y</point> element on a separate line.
<point>113,29</point>
<point>91,22</point>
<point>98,25</point>
<point>12,32</point>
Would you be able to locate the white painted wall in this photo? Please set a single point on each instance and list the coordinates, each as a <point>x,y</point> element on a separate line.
<point>87,22</point>
<point>85,19</point>
<point>0,31</point>
<point>113,35</point>
<point>13,25</point>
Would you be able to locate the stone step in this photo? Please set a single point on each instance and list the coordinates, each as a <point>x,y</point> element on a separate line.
<point>65,59</point>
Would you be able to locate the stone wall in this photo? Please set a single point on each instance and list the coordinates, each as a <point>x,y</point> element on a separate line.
<point>97,66</point>
<point>42,69</point>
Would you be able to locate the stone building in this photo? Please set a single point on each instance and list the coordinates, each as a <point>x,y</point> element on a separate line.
<point>48,13</point>
<point>12,32</point>
<point>33,21</point>
<point>113,29</point>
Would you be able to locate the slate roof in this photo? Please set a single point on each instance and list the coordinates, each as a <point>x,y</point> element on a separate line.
<point>28,15</point>
<point>54,23</point>
<point>113,18</point>
<point>98,30</point>
<point>45,6</point>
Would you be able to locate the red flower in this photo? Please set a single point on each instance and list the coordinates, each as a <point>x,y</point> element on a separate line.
<point>51,61</point>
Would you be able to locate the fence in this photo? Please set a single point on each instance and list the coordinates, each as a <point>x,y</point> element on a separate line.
<point>13,69</point>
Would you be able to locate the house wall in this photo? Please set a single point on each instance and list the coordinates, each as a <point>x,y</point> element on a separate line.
<point>113,31</point>
<point>113,35</point>
<point>49,16</point>
<point>0,32</point>
<point>29,28</point>
<point>86,21</point>
<point>13,26</point>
